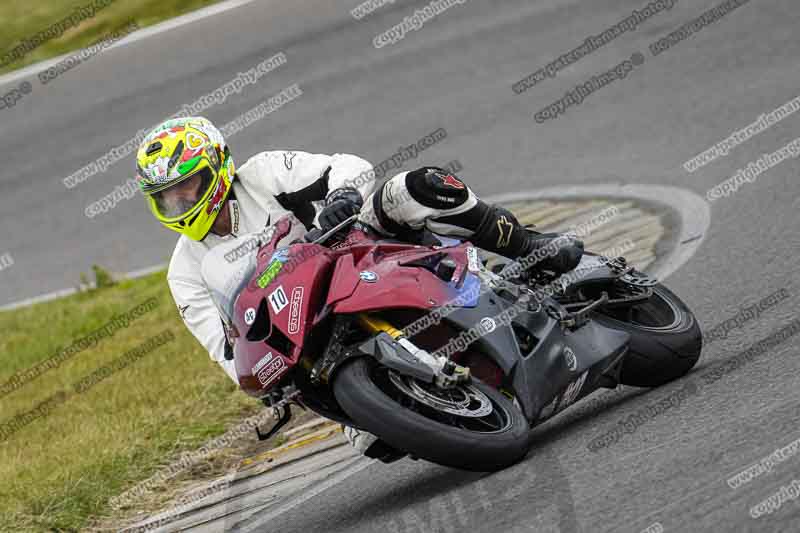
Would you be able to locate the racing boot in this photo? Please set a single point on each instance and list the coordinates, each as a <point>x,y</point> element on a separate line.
<point>500,232</point>
<point>371,446</point>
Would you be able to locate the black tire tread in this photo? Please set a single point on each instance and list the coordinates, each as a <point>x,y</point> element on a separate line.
<point>658,357</point>
<point>411,432</point>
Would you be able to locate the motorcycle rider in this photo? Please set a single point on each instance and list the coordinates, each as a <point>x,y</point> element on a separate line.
<point>186,172</point>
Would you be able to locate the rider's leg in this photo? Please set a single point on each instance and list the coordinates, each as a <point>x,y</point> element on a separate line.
<point>434,198</point>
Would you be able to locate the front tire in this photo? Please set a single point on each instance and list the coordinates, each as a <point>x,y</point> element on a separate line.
<point>378,402</point>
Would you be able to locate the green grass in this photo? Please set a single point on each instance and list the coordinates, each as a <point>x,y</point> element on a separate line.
<point>21,19</point>
<point>60,470</point>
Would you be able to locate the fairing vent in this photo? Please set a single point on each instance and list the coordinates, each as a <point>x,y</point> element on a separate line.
<point>260,328</point>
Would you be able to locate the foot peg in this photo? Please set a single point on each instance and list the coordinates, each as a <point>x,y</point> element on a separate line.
<point>286,416</point>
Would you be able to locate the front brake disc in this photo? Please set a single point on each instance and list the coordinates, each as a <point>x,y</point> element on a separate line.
<point>463,400</point>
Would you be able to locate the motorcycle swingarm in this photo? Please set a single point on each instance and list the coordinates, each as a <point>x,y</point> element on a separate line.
<point>624,301</point>
<point>595,269</point>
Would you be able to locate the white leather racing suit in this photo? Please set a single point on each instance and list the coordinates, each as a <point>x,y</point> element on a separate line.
<point>264,187</point>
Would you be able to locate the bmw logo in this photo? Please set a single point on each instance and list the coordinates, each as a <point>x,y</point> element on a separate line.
<point>368,276</point>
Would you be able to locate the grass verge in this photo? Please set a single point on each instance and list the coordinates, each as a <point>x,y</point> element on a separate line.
<point>23,19</point>
<point>61,469</point>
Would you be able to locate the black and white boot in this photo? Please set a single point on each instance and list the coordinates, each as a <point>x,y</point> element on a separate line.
<point>371,446</point>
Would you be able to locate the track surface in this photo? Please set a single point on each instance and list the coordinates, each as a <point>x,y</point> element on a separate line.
<point>457,73</point>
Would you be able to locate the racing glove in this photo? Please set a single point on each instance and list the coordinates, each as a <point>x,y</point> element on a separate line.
<point>340,205</point>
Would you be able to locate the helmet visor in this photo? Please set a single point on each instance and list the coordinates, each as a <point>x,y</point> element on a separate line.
<point>179,199</point>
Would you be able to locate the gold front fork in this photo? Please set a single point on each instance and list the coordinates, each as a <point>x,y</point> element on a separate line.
<point>373,325</point>
<point>377,325</point>
<point>449,373</point>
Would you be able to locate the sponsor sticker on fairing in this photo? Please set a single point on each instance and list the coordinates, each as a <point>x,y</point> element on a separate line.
<point>263,361</point>
<point>294,310</point>
<point>281,255</point>
<point>272,371</point>
<point>269,274</point>
<point>488,324</point>
<point>276,262</point>
<point>473,262</point>
<point>573,390</point>
<point>278,300</point>
<point>570,359</point>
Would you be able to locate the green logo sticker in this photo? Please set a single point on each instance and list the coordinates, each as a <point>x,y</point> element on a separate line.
<point>269,274</point>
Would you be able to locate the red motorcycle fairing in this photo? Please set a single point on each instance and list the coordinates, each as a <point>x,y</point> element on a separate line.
<point>276,311</point>
<point>273,312</point>
<point>389,276</point>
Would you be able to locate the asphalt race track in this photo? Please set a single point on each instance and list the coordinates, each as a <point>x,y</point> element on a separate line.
<point>667,471</point>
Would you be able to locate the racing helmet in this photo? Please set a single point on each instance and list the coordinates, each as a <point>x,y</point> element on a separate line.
<point>184,169</point>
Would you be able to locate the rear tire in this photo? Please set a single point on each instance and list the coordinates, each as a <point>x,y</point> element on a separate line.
<point>387,414</point>
<point>666,340</point>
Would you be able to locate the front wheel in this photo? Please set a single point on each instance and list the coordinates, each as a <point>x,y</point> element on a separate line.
<point>471,426</point>
<point>666,340</point>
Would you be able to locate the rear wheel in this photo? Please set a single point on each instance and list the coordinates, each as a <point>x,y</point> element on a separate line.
<point>666,340</point>
<point>471,426</point>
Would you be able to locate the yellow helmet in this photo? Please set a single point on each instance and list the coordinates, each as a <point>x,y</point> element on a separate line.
<point>185,153</point>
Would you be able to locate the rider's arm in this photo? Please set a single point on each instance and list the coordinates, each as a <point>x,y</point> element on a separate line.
<point>300,178</point>
<point>197,309</point>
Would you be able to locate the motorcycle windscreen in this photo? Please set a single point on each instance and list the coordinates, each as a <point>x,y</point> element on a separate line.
<point>227,269</point>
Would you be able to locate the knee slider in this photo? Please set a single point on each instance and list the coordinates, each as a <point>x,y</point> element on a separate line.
<point>436,188</point>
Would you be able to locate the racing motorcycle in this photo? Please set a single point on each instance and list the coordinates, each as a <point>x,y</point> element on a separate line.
<point>424,346</point>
